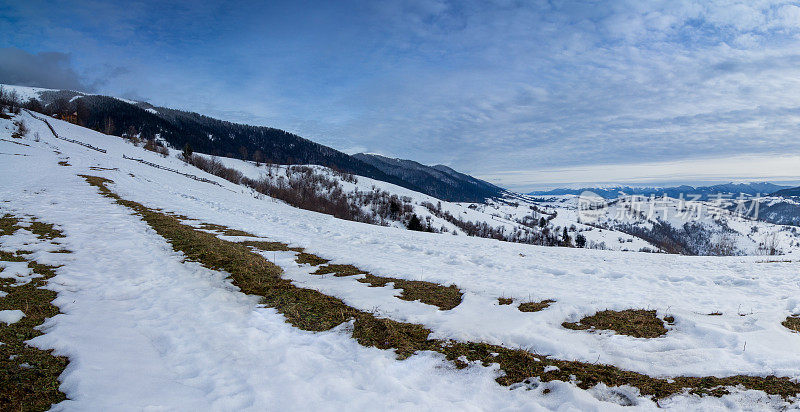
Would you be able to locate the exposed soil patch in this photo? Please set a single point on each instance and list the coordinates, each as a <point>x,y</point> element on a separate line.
<point>638,323</point>
<point>270,246</point>
<point>310,259</point>
<point>505,301</point>
<point>28,376</point>
<point>311,310</point>
<point>519,365</point>
<point>8,224</point>
<point>224,230</point>
<point>64,163</point>
<point>793,323</point>
<point>45,231</point>
<point>339,270</point>
<point>535,306</point>
<point>444,297</point>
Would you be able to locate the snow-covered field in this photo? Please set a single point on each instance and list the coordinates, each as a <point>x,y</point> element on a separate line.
<point>145,330</point>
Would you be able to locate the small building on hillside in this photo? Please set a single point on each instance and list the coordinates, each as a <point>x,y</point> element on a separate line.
<point>69,117</point>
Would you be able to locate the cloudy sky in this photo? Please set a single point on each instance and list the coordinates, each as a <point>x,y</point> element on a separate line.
<point>525,94</point>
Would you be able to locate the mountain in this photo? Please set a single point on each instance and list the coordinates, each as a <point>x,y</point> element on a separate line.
<point>122,117</point>
<point>705,192</point>
<point>793,191</point>
<point>438,181</point>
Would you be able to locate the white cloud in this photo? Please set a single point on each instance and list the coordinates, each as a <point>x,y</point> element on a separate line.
<point>485,87</point>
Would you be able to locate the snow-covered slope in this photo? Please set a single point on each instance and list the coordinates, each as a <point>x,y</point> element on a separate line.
<point>145,329</point>
<point>511,214</point>
<point>711,227</point>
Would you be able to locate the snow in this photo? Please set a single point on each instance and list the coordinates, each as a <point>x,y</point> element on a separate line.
<point>145,329</point>
<point>11,316</point>
<point>24,93</point>
<point>505,213</point>
<point>19,271</point>
<point>747,235</point>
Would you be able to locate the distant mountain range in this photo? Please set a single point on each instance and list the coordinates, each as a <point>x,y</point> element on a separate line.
<point>204,134</point>
<point>438,181</point>
<point>705,192</point>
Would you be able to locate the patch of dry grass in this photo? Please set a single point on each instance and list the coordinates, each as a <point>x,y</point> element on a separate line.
<point>638,323</point>
<point>535,306</point>
<point>505,301</point>
<point>793,323</point>
<point>519,365</point>
<point>224,230</point>
<point>267,246</point>
<point>444,297</point>
<point>45,231</point>
<point>308,258</point>
<point>8,224</point>
<point>339,270</point>
<point>28,376</point>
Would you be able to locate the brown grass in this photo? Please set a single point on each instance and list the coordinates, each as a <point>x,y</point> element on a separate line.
<point>632,322</point>
<point>8,224</point>
<point>311,310</point>
<point>519,365</point>
<point>535,306</point>
<point>339,270</point>
<point>505,301</point>
<point>444,297</point>
<point>224,230</point>
<point>64,163</point>
<point>21,387</point>
<point>310,259</point>
<point>45,231</point>
<point>270,246</point>
<point>793,323</point>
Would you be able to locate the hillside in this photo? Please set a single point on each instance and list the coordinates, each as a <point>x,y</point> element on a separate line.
<point>793,191</point>
<point>439,181</point>
<point>204,134</point>
<point>179,289</point>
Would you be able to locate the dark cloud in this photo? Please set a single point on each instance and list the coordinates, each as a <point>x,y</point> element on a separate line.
<point>49,70</point>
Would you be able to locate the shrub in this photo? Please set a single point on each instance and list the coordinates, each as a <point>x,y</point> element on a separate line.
<point>154,146</point>
<point>22,129</point>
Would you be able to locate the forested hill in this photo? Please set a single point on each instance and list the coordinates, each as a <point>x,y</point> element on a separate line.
<point>438,181</point>
<point>794,191</point>
<point>204,134</point>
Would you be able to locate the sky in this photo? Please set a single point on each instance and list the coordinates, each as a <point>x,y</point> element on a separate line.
<point>524,94</point>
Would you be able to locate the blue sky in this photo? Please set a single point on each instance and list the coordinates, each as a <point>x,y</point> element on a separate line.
<point>525,94</point>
